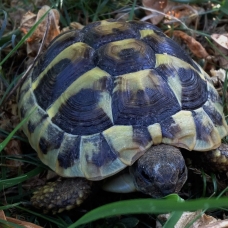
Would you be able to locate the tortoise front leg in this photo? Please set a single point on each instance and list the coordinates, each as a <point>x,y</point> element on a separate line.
<point>62,195</point>
<point>217,159</point>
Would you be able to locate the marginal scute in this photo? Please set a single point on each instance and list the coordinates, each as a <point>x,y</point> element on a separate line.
<point>51,138</point>
<point>213,113</point>
<point>68,157</point>
<point>98,159</point>
<point>214,110</point>
<point>26,104</point>
<point>179,130</point>
<point>121,140</point>
<point>207,136</point>
<point>69,152</point>
<point>24,89</point>
<point>213,95</point>
<point>156,133</point>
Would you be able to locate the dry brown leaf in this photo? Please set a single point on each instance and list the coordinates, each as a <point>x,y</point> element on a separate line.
<point>173,12</point>
<point>218,79</point>
<point>205,221</point>
<point>17,221</point>
<point>29,19</point>
<point>22,223</point>
<point>218,75</point>
<point>73,25</point>
<point>14,148</point>
<point>195,47</point>
<point>40,3</point>
<point>2,215</point>
<point>17,16</point>
<point>184,13</point>
<point>27,22</point>
<point>217,224</point>
<point>221,43</point>
<point>122,16</point>
<point>9,118</point>
<point>183,221</point>
<point>155,17</point>
<point>154,4</point>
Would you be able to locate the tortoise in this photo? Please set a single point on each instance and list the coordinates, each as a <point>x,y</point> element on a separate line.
<point>117,94</point>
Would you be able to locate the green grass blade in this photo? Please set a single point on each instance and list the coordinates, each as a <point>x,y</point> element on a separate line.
<point>3,24</point>
<point>8,37</point>
<point>11,85</point>
<point>223,192</point>
<point>9,206</point>
<point>132,10</point>
<point>6,224</point>
<point>5,142</point>
<point>154,206</point>
<point>173,219</point>
<point>46,217</point>
<point>30,32</point>
<point>214,181</point>
<point>17,180</point>
<point>204,183</point>
<point>190,224</point>
<point>4,134</point>
<point>100,6</point>
<point>224,92</point>
<point>224,7</point>
<point>189,1</point>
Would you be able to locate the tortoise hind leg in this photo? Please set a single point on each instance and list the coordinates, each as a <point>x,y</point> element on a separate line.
<point>216,159</point>
<point>62,195</point>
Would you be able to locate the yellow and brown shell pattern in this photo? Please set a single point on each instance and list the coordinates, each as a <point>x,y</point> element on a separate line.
<point>107,93</point>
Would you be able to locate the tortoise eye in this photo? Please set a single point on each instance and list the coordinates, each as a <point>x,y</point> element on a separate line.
<point>145,175</point>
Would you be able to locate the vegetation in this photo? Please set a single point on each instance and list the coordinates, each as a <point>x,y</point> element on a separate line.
<point>21,171</point>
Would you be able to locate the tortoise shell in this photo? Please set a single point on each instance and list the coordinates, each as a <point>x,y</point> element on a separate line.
<point>107,93</point>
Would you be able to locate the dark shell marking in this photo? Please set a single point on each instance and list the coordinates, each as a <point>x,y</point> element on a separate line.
<point>105,94</point>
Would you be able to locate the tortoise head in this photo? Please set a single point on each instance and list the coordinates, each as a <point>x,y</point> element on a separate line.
<point>160,171</point>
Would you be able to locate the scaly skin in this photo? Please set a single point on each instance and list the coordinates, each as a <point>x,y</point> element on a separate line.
<point>62,195</point>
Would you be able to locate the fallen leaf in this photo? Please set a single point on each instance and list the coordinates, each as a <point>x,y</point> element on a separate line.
<point>218,75</point>
<point>202,221</point>
<point>73,25</point>
<point>173,12</point>
<point>17,221</point>
<point>218,79</point>
<point>221,43</point>
<point>194,46</point>
<point>2,215</point>
<point>22,223</point>
<point>186,14</point>
<point>154,7</point>
<point>34,41</point>
<point>13,148</point>
<point>207,221</point>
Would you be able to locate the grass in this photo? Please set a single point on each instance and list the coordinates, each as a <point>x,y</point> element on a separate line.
<point>125,213</point>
